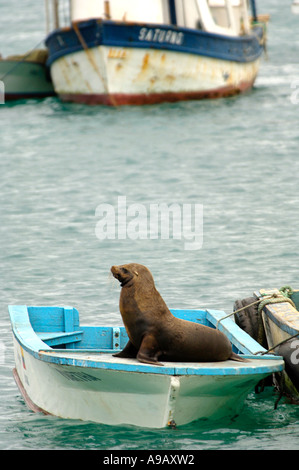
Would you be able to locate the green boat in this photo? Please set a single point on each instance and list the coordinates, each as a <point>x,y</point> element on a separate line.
<point>26,76</point>
<point>271,317</point>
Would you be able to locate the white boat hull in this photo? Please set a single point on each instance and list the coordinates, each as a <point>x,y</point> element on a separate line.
<point>120,75</point>
<point>118,397</point>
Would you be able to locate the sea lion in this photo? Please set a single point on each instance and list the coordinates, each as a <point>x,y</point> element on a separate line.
<point>154,333</point>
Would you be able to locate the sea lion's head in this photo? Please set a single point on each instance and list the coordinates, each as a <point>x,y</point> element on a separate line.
<point>127,274</point>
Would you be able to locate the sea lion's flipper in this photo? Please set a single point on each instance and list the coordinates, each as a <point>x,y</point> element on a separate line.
<point>236,357</point>
<point>149,351</point>
<point>128,351</point>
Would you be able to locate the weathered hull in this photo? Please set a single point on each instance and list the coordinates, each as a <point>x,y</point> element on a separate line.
<point>139,76</point>
<point>119,64</point>
<point>68,370</point>
<point>117,396</point>
<point>281,318</point>
<point>281,323</point>
<point>271,317</point>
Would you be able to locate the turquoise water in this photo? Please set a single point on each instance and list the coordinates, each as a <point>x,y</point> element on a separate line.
<point>237,157</point>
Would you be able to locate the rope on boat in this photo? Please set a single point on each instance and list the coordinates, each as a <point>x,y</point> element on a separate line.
<point>236,311</point>
<point>275,299</point>
<point>281,296</point>
<point>23,59</point>
<point>262,22</point>
<point>287,291</point>
<point>92,61</point>
<point>276,345</point>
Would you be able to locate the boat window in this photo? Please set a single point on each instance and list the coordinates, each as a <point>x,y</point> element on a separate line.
<point>231,14</point>
<point>203,14</point>
<point>218,16</point>
<point>219,12</point>
<point>149,11</point>
<point>187,13</point>
<point>58,14</point>
<point>61,13</point>
<point>89,9</point>
<point>228,17</point>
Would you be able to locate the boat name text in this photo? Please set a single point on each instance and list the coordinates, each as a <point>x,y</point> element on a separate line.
<point>161,35</point>
<point>117,53</point>
<point>77,376</point>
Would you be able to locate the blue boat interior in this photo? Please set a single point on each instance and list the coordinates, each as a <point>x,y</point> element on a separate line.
<point>60,328</point>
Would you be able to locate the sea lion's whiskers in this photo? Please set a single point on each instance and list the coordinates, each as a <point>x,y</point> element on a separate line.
<point>111,280</point>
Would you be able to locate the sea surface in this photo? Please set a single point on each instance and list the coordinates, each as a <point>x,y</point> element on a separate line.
<point>236,158</point>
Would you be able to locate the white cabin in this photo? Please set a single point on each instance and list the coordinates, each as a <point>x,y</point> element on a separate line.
<point>227,17</point>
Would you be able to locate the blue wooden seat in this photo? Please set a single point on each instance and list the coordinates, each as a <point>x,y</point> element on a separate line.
<point>60,338</point>
<point>56,326</point>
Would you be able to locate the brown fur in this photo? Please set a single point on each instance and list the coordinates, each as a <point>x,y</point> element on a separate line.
<point>154,333</point>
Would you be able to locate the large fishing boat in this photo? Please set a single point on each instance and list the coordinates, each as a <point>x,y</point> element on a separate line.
<point>121,52</point>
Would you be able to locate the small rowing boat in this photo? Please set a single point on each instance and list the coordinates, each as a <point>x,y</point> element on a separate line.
<point>68,370</point>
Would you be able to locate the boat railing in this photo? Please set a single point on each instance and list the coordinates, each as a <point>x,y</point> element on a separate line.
<point>226,17</point>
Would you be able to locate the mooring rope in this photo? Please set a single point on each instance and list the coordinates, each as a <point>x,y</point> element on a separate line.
<point>277,297</point>
<point>236,311</point>
<point>276,345</point>
<point>281,296</point>
<point>287,291</point>
<point>92,61</point>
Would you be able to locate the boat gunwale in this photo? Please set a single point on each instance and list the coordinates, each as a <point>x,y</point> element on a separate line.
<point>175,28</point>
<point>272,311</point>
<point>277,315</point>
<point>30,342</point>
<point>103,41</point>
<point>223,368</point>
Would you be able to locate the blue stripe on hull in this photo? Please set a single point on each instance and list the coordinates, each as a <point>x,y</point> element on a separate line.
<point>94,33</point>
